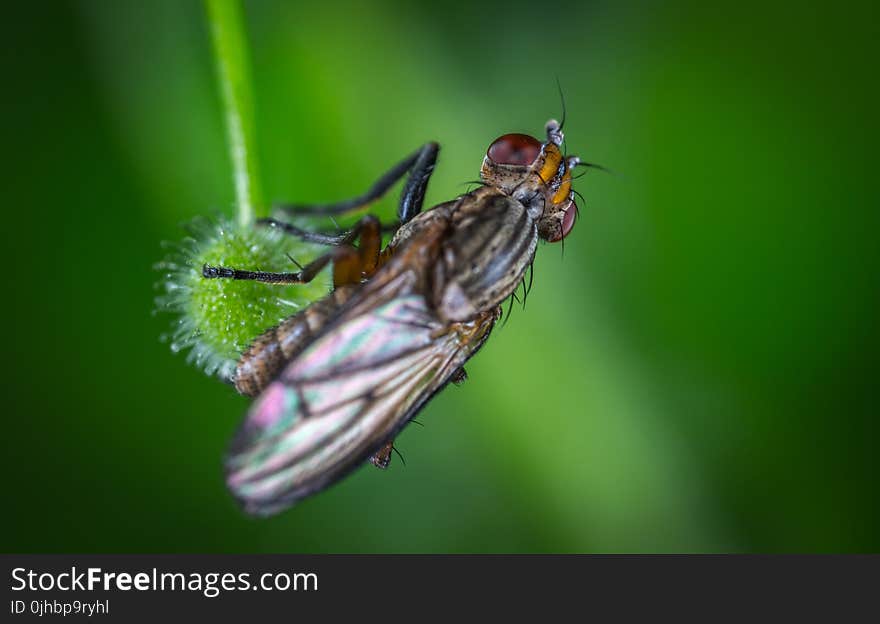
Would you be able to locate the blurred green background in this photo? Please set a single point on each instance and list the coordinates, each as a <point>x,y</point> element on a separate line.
<point>697,373</point>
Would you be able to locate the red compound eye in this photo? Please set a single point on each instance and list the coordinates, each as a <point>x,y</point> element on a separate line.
<point>568,219</point>
<point>514,149</point>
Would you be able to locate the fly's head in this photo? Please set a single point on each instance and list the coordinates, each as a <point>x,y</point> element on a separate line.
<point>538,175</point>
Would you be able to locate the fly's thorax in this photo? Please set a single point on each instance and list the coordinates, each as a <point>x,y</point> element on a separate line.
<point>424,220</point>
<point>492,242</point>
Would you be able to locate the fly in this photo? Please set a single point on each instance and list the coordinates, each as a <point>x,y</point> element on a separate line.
<point>336,382</point>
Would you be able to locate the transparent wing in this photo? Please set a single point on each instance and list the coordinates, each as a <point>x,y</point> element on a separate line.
<point>345,396</point>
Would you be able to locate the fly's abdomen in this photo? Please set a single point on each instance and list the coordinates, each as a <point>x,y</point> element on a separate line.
<point>268,353</point>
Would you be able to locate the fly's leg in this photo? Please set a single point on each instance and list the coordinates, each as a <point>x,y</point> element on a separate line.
<point>419,165</point>
<point>459,376</point>
<point>349,264</point>
<point>413,195</point>
<point>319,238</point>
<point>303,276</point>
<point>382,457</point>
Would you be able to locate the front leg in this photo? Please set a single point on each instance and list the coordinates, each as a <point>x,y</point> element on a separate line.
<point>350,264</point>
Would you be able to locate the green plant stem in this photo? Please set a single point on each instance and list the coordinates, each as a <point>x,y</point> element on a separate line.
<point>230,50</point>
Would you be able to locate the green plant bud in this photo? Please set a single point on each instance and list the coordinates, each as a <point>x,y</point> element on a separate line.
<point>218,318</point>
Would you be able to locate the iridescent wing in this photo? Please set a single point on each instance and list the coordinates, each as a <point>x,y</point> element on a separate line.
<point>346,395</point>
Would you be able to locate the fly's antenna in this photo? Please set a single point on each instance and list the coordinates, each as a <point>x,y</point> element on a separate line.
<point>562,101</point>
